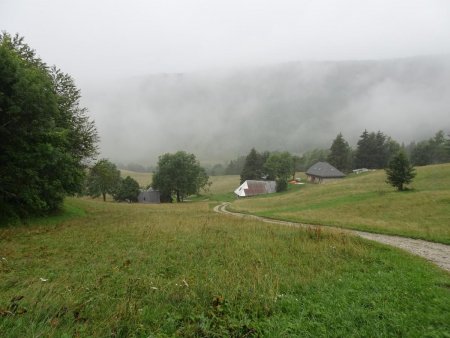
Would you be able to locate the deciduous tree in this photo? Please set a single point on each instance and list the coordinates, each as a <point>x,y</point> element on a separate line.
<point>128,190</point>
<point>103,178</point>
<point>179,174</point>
<point>279,166</point>
<point>46,137</point>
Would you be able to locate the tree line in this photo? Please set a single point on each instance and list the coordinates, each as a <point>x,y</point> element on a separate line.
<point>374,150</point>
<point>277,166</point>
<point>177,175</point>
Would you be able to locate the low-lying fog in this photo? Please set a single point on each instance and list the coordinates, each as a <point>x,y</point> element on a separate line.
<point>292,106</point>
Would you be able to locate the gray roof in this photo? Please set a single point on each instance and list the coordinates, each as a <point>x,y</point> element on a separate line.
<point>324,170</point>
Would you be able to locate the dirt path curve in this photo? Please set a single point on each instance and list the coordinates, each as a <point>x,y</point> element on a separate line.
<point>437,253</point>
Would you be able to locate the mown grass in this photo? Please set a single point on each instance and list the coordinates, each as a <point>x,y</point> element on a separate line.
<point>180,270</point>
<point>367,203</point>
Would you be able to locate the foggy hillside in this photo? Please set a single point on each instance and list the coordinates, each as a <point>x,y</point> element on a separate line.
<point>293,106</point>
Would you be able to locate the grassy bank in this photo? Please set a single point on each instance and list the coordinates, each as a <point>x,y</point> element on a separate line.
<point>366,202</point>
<point>163,270</point>
<point>144,179</point>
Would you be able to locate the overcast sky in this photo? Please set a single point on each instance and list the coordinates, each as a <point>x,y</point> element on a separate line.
<point>105,39</point>
<point>111,47</point>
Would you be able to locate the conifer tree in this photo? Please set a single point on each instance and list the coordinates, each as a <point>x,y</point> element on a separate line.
<point>340,154</point>
<point>400,171</point>
<point>253,167</point>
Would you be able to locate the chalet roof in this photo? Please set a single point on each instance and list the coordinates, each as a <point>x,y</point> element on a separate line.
<point>324,170</point>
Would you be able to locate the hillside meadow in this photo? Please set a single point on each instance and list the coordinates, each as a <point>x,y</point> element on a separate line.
<point>366,202</point>
<point>144,179</point>
<point>129,270</point>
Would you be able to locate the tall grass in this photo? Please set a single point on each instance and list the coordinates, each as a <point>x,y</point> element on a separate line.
<point>180,270</point>
<point>366,202</point>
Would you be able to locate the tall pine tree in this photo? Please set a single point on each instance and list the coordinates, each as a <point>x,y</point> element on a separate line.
<point>374,150</point>
<point>253,167</point>
<point>340,154</point>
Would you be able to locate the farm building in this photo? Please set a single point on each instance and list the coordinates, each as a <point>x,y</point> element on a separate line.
<point>149,196</point>
<point>322,172</point>
<point>252,188</point>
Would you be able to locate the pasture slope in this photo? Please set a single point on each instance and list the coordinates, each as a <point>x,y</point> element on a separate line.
<point>365,202</point>
<point>130,270</point>
<point>144,179</point>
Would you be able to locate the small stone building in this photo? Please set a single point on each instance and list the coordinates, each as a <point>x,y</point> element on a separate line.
<point>149,196</point>
<point>322,172</point>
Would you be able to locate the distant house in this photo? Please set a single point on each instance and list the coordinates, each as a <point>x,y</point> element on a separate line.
<point>360,170</point>
<point>252,188</point>
<point>322,172</point>
<point>149,196</point>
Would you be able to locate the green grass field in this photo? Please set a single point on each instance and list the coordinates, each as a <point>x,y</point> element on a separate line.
<point>366,202</point>
<point>121,270</point>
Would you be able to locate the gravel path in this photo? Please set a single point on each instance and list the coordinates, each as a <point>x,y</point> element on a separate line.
<point>437,253</point>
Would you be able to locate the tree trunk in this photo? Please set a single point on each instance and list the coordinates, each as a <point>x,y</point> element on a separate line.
<point>104,196</point>
<point>178,196</point>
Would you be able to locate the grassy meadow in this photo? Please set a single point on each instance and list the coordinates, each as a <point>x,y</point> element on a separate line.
<point>121,270</point>
<point>144,179</point>
<point>366,202</point>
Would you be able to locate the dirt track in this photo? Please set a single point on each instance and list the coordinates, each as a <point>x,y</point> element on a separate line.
<point>437,253</point>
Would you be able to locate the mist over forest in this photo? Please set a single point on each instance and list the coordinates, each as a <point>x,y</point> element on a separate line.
<point>296,106</point>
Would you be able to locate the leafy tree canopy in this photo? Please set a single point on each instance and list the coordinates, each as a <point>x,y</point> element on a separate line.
<point>104,178</point>
<point>280,166</point>
<point>179,174</point>
<point>311,157</point>
<point>128,190</point>
<point>46,136</point>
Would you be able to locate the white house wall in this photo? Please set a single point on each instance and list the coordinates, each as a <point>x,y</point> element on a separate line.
<point>241,190</point>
